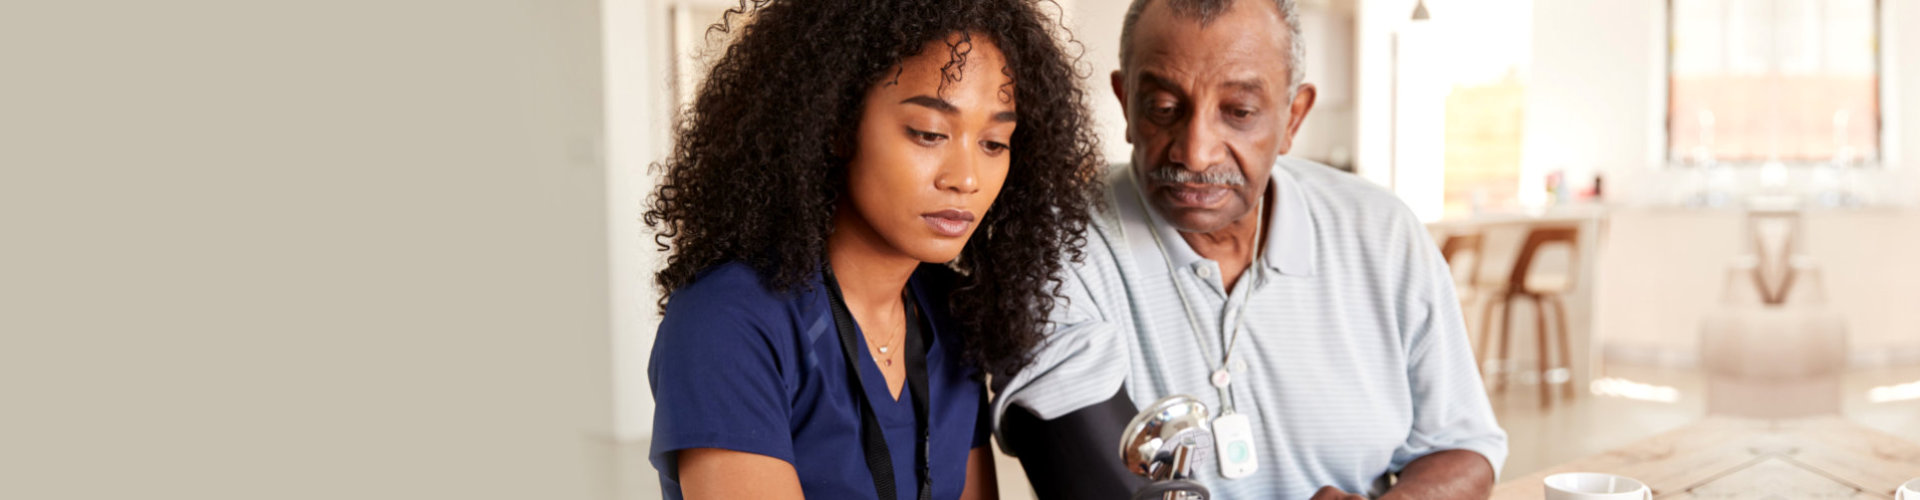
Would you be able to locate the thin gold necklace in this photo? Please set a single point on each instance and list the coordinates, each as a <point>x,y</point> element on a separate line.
<point>886,348</point>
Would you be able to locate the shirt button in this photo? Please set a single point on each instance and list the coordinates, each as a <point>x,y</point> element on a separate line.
<point>1239,365</point>
<point>1204,272</point>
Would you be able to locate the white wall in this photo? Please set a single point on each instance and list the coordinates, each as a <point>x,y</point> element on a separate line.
<point>1376,22</point>
<point>345,249</point>
<point>1328,29</point>
<point>1596,93</point>
<point>639,108</point>
<point>1096,25</point>
<point>1901,133</point>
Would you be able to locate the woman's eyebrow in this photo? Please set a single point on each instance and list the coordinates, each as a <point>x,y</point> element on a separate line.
<point>933,103</point>
<point>947,108</point>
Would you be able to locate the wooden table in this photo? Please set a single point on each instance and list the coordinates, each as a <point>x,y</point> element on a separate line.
<point>1721,457</point>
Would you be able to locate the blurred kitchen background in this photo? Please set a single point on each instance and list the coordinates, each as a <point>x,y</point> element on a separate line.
<point>392,249</point>
<point>1707,199</point>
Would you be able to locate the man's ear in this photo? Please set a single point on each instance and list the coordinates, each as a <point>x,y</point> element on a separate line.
<point>1119,82</point>
<point>1303,97</point>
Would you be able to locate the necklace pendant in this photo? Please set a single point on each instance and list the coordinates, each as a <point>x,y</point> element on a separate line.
<point>889,362</point>
<point>885,349</point>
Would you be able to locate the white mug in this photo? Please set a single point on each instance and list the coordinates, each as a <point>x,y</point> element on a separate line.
<point>1596,486</point>
<point>1908,491</point>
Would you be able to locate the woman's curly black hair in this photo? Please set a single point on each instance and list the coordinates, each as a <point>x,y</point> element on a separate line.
<point>753,176</point>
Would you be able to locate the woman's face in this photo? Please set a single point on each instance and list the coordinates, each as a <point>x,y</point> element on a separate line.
<point>930,159</point>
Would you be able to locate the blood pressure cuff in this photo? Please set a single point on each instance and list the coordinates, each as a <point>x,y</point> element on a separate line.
<point>1075,456</point>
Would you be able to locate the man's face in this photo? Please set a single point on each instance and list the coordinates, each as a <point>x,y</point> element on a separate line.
<point>1208,110</point>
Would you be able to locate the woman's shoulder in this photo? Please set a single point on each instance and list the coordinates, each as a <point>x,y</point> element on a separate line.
<point>733,284</point>
<point>734,294</point>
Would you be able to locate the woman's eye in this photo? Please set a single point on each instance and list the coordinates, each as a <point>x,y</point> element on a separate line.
<point>994,148</point>
<point>925,137</point>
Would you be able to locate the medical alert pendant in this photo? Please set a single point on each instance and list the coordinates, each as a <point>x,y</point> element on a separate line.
<point>1221,378</point>
<point>1233,446</point>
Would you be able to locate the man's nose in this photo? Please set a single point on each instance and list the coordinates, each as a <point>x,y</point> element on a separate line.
<point>1196,146</point>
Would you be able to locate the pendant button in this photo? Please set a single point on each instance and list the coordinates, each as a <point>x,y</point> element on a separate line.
<point>1221,378</point>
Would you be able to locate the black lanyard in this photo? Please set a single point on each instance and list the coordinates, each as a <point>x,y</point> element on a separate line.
<point>879,460</point>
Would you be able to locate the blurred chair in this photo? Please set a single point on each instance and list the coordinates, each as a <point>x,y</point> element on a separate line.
<point>1463,255</point>
<point>1773,349</point>
<point>1542,288</point>
<point>1776,261</point>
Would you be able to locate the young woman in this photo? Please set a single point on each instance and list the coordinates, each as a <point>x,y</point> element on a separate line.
<point>866,207</point>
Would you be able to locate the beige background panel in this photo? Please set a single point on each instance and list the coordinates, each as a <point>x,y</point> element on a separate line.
<point>302,250</point>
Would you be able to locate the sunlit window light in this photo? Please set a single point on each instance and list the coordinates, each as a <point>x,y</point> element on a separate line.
<point>1891,393</point>
<point>1628,389</point>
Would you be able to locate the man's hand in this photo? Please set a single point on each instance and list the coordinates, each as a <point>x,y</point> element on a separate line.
<point>1332,493</point>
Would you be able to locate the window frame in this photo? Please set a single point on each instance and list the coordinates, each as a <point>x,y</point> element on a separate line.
<point>1881,159</point>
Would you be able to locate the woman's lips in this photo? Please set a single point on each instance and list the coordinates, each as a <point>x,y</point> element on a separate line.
<point>949,223</point>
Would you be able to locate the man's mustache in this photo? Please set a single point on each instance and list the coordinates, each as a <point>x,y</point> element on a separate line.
<point>1178,175</point>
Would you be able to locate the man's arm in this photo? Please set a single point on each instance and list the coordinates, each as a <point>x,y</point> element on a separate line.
<point>1075,456</point>
<point>1446,475</point>
<point>982,483</point>
<point>1455,444</point>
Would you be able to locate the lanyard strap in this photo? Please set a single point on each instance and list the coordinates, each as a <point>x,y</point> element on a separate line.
<point>1223,386</point>
<point>872,438</point>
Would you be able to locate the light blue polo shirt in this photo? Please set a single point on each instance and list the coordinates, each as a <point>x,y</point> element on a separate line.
<point>1353,362</point>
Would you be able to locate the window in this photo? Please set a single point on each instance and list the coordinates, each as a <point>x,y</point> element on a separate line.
<point>1794,82</point>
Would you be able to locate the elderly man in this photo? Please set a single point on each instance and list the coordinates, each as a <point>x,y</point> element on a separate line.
<point>1301,304</point>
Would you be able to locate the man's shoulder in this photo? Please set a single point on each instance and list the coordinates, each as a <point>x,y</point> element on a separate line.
<point>1343,203</point>
<point>1104,229</point>
<point>1338,189</point>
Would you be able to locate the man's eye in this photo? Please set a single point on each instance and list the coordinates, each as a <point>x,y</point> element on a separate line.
<point>1163,113</point>
<point>1240,112</point>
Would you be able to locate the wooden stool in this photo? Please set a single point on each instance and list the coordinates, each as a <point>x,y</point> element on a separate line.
<point>1463,243</point>
<point>1542,290</point>
<point>1466,275</point>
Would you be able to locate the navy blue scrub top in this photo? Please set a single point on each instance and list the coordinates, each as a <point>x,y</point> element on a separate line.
<point>740,367</point>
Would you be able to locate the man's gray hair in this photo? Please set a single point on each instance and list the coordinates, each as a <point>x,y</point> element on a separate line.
<point>1205,11</point>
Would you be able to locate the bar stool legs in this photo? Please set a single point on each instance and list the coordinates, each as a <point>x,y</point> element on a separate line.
<point>1542,293</point>
<point>1566,342</point>
<point>1547,335</point>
